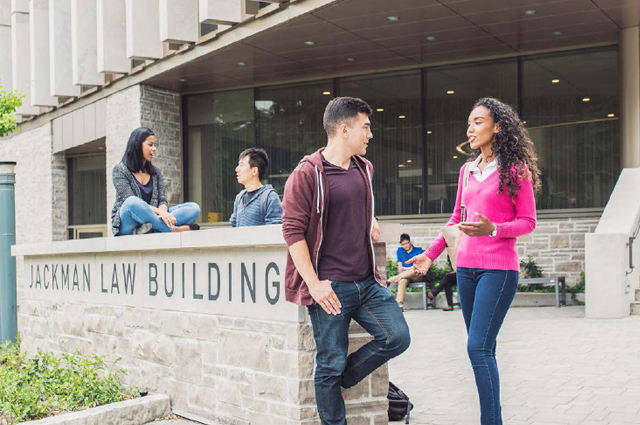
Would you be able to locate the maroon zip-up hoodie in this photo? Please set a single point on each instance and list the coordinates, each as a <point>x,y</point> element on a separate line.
<point>304,204</point>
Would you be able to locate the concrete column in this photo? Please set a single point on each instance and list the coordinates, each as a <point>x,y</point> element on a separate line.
<point>21,56</point>
<point>179,21</point>
<point>84,57</point>
<point>112,37</point>
<point>60,69</point>
<point>5,44</point>
<point>143,29</point>
<point>39,49</point>
<point>630,97</point>
<point>221,11</point>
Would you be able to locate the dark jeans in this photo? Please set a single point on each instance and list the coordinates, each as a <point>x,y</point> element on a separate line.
<point>375,309</point>
<point>485,297</point>
<point>447,283</point>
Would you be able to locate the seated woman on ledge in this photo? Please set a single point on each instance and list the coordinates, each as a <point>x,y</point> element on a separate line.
<point>141,201</point>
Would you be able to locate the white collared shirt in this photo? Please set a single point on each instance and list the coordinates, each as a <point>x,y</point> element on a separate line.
<point>488,169</point>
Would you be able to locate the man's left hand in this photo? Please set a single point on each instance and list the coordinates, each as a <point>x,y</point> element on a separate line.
<point>375,232</point>
<point>483,227</point>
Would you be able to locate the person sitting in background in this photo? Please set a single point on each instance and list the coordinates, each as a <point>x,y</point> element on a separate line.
<point>256,204</point>
<point>447,283</point>
<point>141,204</point>
<point>406,273</point>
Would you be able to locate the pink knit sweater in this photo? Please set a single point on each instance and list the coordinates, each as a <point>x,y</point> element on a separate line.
<point>512,218</point>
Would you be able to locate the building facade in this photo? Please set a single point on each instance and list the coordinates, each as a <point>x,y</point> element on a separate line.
<point>213,77</point>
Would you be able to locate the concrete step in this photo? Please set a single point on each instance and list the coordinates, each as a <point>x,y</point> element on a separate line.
<point>635,308</point>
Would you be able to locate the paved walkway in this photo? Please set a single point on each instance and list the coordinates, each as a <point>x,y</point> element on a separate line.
<point>556,368</point>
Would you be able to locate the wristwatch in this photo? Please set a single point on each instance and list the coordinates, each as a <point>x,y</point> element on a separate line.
<point>494,233</point>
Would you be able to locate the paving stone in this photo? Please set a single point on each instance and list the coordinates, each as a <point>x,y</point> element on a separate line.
<point>556,367</point>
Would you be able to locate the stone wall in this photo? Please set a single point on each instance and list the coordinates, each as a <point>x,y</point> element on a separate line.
<point>223,358</point>
<point>161,111</point>
<point>233,370</point>
<point>122,117</point>
<point>557,244</point>
<point>59,197</point>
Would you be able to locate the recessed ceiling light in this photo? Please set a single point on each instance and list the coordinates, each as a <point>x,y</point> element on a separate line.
<point>326,93</point>
<point>409,161</point>
<point>529,12</point>
<point>555,81</point>
<point>402,117</point>
<point>611,115</point>
<point>380,109</point>
<point>455,156</point>
<point>241,63</point>
<point>450,91</point>
<point>182,80</point>
<point>309,43</point>
<point>351,59</point>
<point>556,33</point>
<point>586,99</point>
<point>524,122</point>
<point>401,165</point>
<point>431,38</point>
<point>393,18</point>
<point>429,131</point>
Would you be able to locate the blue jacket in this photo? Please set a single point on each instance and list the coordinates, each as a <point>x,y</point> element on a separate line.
<point>263,208</point>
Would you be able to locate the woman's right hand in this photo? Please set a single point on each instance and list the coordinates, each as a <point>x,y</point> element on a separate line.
<point>421,263</point>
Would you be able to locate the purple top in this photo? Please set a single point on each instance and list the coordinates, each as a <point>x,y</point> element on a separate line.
<point>146,190</point>
<point>345,250</point>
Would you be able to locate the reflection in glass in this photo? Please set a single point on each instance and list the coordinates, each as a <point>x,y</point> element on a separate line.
<point>451,92</point>
<point>396,148</point>
<point>87,189</point>
<point>220,126</point>
<point>570,103</point>
<point>289,120</point>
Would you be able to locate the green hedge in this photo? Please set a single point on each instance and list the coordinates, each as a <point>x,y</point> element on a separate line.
<point>48,384</point>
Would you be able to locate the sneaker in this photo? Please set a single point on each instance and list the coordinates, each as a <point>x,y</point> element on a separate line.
<point>142,229</point>
<point>194,226</point>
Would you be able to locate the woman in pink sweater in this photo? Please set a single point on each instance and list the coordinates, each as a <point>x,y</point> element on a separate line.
<point>496,206</point>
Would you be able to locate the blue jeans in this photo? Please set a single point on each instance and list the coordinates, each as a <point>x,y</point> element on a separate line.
<point>375,309</point>
<point>135,211</point>
<point>485,297</point>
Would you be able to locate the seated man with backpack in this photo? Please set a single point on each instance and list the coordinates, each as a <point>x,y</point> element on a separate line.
<point>256,204</point>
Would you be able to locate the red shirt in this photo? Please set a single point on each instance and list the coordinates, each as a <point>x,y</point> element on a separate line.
<point>345,253</point>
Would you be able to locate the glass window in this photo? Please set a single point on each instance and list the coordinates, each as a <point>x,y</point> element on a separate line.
<point>289,120</point>
<point>450,94</point>
<point>570,102</point>
<point>220,126</point>
<point>87,189</point>
<point>396,148</point>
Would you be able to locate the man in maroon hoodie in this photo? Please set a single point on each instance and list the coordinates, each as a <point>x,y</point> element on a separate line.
<point>329,227</point>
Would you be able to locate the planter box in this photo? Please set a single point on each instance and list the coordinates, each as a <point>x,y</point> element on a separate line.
<point>137,411</point>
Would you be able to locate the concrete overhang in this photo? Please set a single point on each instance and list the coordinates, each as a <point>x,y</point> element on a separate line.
<point>315,39</point>
<point>360,36</point>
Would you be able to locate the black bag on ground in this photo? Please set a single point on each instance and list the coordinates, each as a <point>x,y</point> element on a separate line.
<point>399,404</point>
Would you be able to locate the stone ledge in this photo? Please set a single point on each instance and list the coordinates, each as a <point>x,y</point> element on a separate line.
<point>218,238</point>
<point>136,411</point>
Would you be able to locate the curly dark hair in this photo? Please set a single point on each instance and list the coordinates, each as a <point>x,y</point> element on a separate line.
<point>513,147</point>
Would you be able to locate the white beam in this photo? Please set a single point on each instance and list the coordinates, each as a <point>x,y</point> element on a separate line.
<point>112,37</point>
<point>179,21</point>
<point>39,49</point>
<point>5,44</point>
<point>21,61</point>
<point>84,30</point>
<point>61,73</point>
<point>143,29</point>
<point>21,6</point>
<point>221,11</point>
